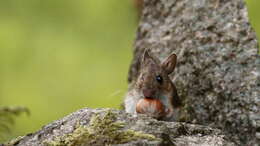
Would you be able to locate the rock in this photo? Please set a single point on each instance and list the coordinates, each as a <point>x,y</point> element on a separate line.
<point>218,69</point>
<point>113,127</point>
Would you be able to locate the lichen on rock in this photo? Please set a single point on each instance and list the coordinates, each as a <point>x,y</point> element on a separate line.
<point>114,127</point>
<point>100,131</point>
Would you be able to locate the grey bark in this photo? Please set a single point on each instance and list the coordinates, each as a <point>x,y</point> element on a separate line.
<point>218,70</point>
<point>166,133</point>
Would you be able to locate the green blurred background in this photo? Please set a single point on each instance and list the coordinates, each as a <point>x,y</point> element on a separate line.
<point>60,56</point>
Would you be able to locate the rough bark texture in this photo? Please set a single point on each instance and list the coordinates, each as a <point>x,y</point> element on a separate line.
<point>218,70</point>
<point>147,131</point>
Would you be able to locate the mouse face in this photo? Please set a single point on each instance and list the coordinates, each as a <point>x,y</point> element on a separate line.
<point>153,79</point>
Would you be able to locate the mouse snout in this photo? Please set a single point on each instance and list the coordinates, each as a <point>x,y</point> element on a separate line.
<point>149,93</point>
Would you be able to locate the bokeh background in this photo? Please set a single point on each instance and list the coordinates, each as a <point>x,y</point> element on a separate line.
<point>60,56</point>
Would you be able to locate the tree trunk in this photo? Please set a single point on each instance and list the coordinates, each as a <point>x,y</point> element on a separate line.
<point>218,69</point>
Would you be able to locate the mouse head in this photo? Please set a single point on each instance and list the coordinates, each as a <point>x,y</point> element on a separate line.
<point>153,80</point>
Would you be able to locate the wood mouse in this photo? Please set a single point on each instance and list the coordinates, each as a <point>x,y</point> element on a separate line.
<point>153,93</point>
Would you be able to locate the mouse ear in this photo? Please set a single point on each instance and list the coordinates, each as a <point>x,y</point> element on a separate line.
<point>169,63</point>
<point>146,56</point>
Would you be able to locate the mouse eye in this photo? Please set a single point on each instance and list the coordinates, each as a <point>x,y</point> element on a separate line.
<point>159,79</point>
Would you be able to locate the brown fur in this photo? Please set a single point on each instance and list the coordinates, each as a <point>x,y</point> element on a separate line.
<point>148,85</point>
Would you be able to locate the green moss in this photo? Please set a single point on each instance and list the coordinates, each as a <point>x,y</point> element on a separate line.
<point>13,141</point>
<point>101,130</point>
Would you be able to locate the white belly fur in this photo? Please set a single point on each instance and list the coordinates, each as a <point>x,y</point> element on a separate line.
<point>130,101</point>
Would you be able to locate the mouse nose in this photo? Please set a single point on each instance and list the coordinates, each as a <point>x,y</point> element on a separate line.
<point>149,93</point>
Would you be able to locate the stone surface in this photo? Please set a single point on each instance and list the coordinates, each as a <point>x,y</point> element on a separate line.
<point>162,133</point>
<point>218,69</point>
